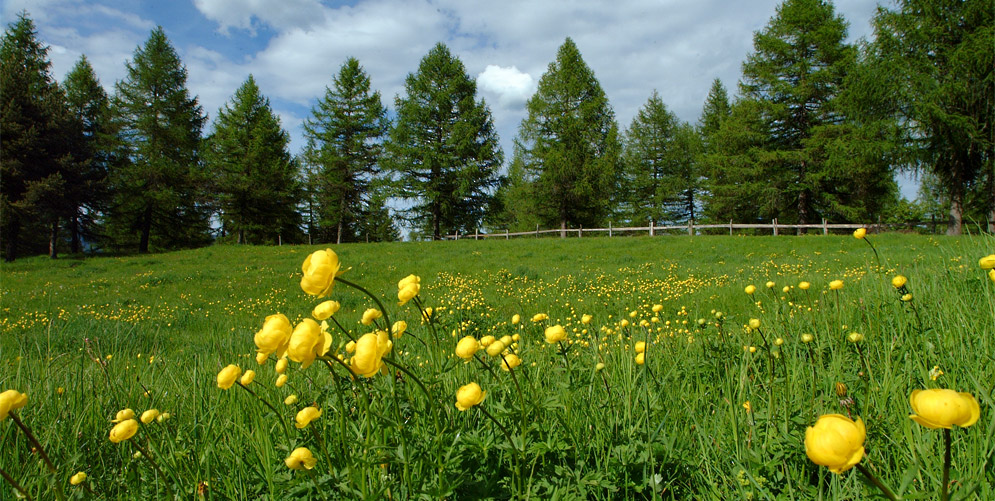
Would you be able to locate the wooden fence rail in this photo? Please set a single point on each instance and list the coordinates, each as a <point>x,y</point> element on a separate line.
<point>774,227</point>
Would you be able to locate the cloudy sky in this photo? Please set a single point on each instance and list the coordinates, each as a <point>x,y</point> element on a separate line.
<point>293,47</point>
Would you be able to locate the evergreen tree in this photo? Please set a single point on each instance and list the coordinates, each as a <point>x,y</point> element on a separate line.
<point>344,141</point>
<point>568,145</point>
<point>443,149</point>
<point>685,179</point>
<point>648,145</point>
<point>158,195</point>
<point>715,111</point>
<point>34,154</point>
<point>93,153</point>
<point>253,177</point>
<point>940,53</point>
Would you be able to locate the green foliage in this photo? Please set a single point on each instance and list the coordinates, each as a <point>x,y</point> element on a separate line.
<point>253,177</point>
<point>568,146</point>
<point>443,151</point>
<point>344,145</point>
<point>158,196</point>
<point>715,111</point>
<point>940,55</point>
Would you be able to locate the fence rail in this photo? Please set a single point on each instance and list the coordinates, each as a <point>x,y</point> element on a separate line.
<point>774,227</point>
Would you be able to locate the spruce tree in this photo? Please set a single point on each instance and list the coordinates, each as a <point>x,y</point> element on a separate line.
<point>568,145</point>
<point>648,144</point>
<point>715,110</point>
<point>159,199</point>
<point>344,143</point>
<point>254,181</point>
<point>443,149</point>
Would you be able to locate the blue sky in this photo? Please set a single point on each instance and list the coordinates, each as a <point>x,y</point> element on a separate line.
<point>293,47</point>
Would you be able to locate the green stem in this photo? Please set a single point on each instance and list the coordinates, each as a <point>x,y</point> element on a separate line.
<point>944,495</point>
<point>343,329</point>
<point>317,487</point>
<point>41,452</point>
<point>876,256</point>
<point>883,488</point>
<point>517,457</point>
<point>360,288</point>
<point>286,431</point>
<point>155,466</point>
<point>17,487</point>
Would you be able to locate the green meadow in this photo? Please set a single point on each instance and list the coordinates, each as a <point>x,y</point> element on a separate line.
<point>711,407</point>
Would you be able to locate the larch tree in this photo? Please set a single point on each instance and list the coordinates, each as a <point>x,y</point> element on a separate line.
<point>345,136</point>
<point>568,145</point>
<point>443,151</point>
<point>648,143</point>
<point>158,193</point>
<point>253,178</point>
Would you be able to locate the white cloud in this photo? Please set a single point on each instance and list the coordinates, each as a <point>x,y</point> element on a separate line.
<point>511,86</point>
<point>245,14</point>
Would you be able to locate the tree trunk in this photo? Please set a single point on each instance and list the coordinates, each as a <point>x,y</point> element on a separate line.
<point>10,245</point>
<point>338,232</point>
<point>53,240</point>
<point>802,210</point>
<point>956,211</point>
<point>75,242</point>
<point>563,228</point>
<point>241,236</point>
<point>991,201</point>
<point>143,244</point>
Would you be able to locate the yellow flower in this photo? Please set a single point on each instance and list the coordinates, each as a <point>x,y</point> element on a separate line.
<point>935,372</point>
<point>78,478</point>
<point>855,337</point>
<point>487,341</point>
<point>807,338</point>
<point>398,328</point>
<point>585,319</point>
<point>657,308</point>
<point>836,442</point>
<point>510,361</point>
<point>281,380</point>
<point>228,375</point>
<point>408,288</point>
<point>860,233</point>
<point>281,365</point>
<point>624,322</point>
<point>306,415</point>
<point>539,317</point>
<point>308,342</point>
<point>407,281</point>
<point>320,270</point>
<point>786,289</point>
<point>754,323</point>
<point>467,347</point>
<point>804,285</point>
<point>370,315</point>
<point>836,285</point>
<point>515,319</point>
<point>149,416</point>
<point>494,349</point>
<point>123,415</point>
<point>770,285</point>
<point>325,310</point>
<point>899,281</point>
<point>370,349</point>
<point>987,262</point>
<point>943,408</point>
<point>261,358</point>
<point>907,297</point>
<point>247,377</point>
<point>598,366</point>
<point>641,359</point>
<point>426,314</point>
<point>991,275</point>
<point>301,459</point>
<point>750,289</point>
<point>163,417</point>
<point>469,395</point>
<point>747,406</point>
<point>11,400</point>
<point>779,341</point>
<point>555,334</point>
<point>640,347</point>
<point>290,400</point>
<point>124,430</point>
<point>274,335</point>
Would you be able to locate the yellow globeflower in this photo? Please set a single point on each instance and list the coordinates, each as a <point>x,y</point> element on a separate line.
<point>227,376</point>
<point>860,233</point>
<point>408,288</point>
<point>281,380</point>
<point>124,430</point>
<point>943,408</point>
<point>770,285</point>
<point>991,275</point>
<point>836,285</point>
<point>640,347</point>
<point>11,400</point>
<point>370,315</point>
<point>78,478</point>
<point>281,365</point>
<point>370,349</point>
<point>123,415</point>
<point>301,459</point>
<point>325,309</point>
<point>306,415</point>
<point>855,337</point>
<point>248,377</point>
<point>510,361</point>
<point>754,323</point>
<point>641,359</point>
<point>585,319</point>
<point>261,358</point>
<point>804,286</point>
<point>987,262</point>
<point>149,416</point>
<point>320,270</point>
<point>555,334</point>
<point>308,342</point>
<point>469,395</point>
<point>899,281</point>
<point>274,335</point>
<point>408,280</point>
<point>487,340</point>
<point>467,347</point>
<point>836,442</point>
<point>598,366</point>
<point>750,289</point>
<point>539,317</point>
<point>494,349</point>
<point>515,319</point>
<point>398,328</point>
<point>807,338</point>
<point>290,400</point>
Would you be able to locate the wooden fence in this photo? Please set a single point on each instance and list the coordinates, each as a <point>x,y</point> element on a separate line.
<point>691,228</point>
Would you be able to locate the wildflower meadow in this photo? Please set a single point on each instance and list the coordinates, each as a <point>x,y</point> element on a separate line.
<point>817,367</point>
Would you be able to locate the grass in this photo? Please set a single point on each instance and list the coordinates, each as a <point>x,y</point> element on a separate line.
<point>85,338</point>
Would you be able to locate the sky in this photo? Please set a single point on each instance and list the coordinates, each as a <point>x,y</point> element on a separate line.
<point>293,48</point>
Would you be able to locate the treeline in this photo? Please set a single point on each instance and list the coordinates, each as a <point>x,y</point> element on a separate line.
<point>817,130</point>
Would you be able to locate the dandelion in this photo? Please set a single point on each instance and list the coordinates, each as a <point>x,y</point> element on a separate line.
<point>469,395</point>
<point>301,459</point>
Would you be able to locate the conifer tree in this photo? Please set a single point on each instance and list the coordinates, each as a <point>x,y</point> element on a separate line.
<point>715,110</point>
<point>158,193</point>
<point>648,144</point>
<point>344,143</point>
<point>253,177</point>
<point>568,145</point>
<point>443,149</point>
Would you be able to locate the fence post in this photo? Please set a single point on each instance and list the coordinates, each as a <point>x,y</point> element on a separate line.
<point>537,230</point>
<point>457,235</point>
<point>580,231</point>
<point>476,233</point>
<point>730,227</point>
<point>506,237</point>
<point>651,227</point>
<point>609,229</point>
<point>825,227</point>
<point>690,227</point>
<point>774,223</point>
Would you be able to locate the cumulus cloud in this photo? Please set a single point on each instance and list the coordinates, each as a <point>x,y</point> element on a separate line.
<point>245,14</point>
<point>511,86</point>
